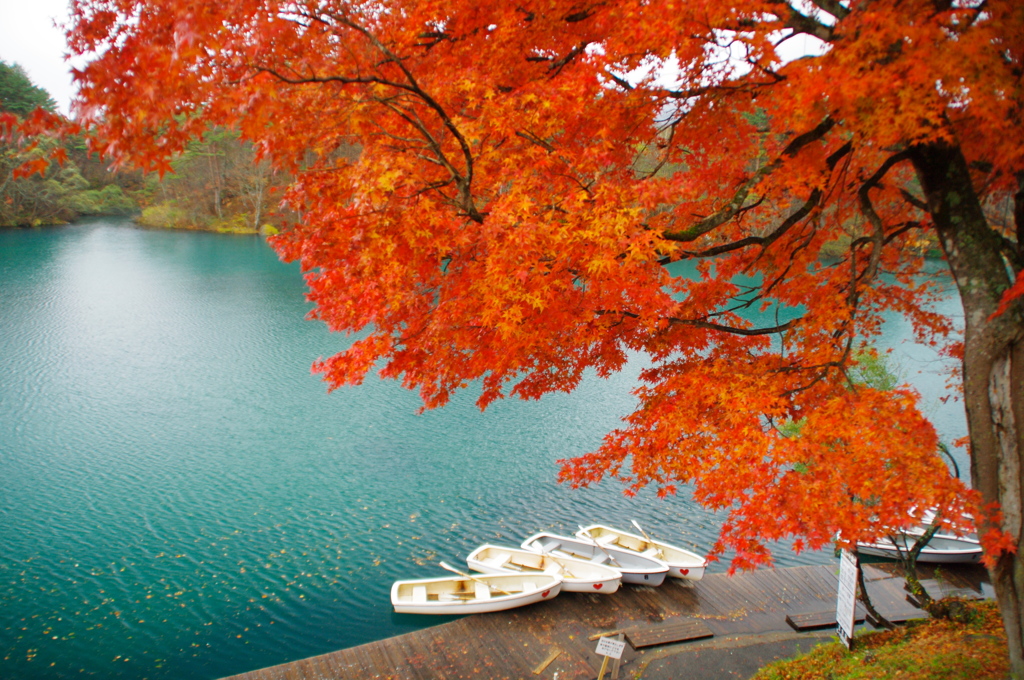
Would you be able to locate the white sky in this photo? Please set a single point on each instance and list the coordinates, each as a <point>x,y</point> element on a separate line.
<point>28,37</point>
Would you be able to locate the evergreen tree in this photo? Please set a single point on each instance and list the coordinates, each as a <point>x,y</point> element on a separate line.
<point>18,94</point>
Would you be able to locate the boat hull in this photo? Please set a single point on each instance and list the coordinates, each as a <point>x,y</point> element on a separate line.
<point>681,562</point>
<point>941,549</point>
<point>459,595</point>
<point>577,576</point>
<point>636,569</point>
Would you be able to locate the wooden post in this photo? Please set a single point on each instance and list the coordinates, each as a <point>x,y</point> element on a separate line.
<point>610,648</point>
<point>618,660</point>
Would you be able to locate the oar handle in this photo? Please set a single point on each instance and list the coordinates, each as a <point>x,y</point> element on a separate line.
<point>633,521</point>
<point>649,539</point>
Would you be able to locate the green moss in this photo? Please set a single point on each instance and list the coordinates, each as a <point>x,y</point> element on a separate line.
<point>238,223</point>
<point>164,216</point>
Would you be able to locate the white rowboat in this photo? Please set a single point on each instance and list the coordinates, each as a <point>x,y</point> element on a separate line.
<point>577,576</point>
<point>637,569</point>
<point>941,549</point>
<point>472,595</point>
<point>681,562</point>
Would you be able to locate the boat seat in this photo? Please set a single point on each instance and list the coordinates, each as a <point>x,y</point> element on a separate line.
<point>498,560</point>
<point>651,552</point>
<point>553,569</point>
<point>419,594</point>
<point>482,591</point>
<point>607,540</point>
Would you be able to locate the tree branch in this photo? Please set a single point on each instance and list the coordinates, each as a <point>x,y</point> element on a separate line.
<point>801,23</point>
<point>700,323</point>
<point>786,225</point>
<point>463,182</point>
<point>763,241</point>
<point>557,66</point>
<point>868,209</point>
<point>734,206</point>
<point>781,328</point>
<point>833,7</point>
<point>914,200</point>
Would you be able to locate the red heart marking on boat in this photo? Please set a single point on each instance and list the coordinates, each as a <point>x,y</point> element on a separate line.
<point>597,586</point>
<point>685,571</point>
<point>545,593</point>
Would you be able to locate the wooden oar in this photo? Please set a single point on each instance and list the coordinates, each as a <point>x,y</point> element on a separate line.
<point>661,553</point>
<point>586,534</point>
<point>445,565</point>
<point>564,568</point>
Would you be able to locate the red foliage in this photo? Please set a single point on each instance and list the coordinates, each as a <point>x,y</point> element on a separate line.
<point>490,192</point>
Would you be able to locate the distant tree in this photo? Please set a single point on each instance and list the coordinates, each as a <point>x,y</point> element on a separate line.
<point>216,182</point>
<point>49,193</point>
<point>18,94</point>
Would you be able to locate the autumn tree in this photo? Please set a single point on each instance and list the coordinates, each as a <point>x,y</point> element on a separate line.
<point>528,172</point>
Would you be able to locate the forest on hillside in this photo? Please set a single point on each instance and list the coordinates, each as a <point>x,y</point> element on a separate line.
<point>216,184</point>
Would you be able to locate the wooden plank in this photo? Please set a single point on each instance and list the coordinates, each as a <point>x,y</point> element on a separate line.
<point>546,662</point>
<point>815,620</point>
<point>677,631</point>
<point>811,620</point>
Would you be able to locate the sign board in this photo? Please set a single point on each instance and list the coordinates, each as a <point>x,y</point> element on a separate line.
<point>606,646</point>
<point>846,601</point>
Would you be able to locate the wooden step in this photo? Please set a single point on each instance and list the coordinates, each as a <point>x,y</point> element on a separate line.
<point>900,617</point>
<point>815,620</point>
<point>678,631</point>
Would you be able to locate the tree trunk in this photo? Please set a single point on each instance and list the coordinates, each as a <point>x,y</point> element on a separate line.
<point>993,365</point>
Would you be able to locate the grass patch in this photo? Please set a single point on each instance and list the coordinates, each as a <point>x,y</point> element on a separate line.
<point>922,650</point>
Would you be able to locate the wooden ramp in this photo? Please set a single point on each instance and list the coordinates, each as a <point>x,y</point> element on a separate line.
<point>516,643</point>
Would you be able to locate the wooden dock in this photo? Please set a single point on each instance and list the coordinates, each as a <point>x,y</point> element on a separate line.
<point>559,636</point>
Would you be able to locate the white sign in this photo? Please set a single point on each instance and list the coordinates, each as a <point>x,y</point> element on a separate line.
<point>606,646</point>
<point>846,601</point>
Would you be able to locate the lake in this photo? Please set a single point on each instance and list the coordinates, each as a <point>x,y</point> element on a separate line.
<point>180,497</point>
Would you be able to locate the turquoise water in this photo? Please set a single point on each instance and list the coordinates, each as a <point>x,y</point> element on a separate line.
<point>180,497</point>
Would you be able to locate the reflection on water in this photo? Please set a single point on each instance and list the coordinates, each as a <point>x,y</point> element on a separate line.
<point>181,498</point>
